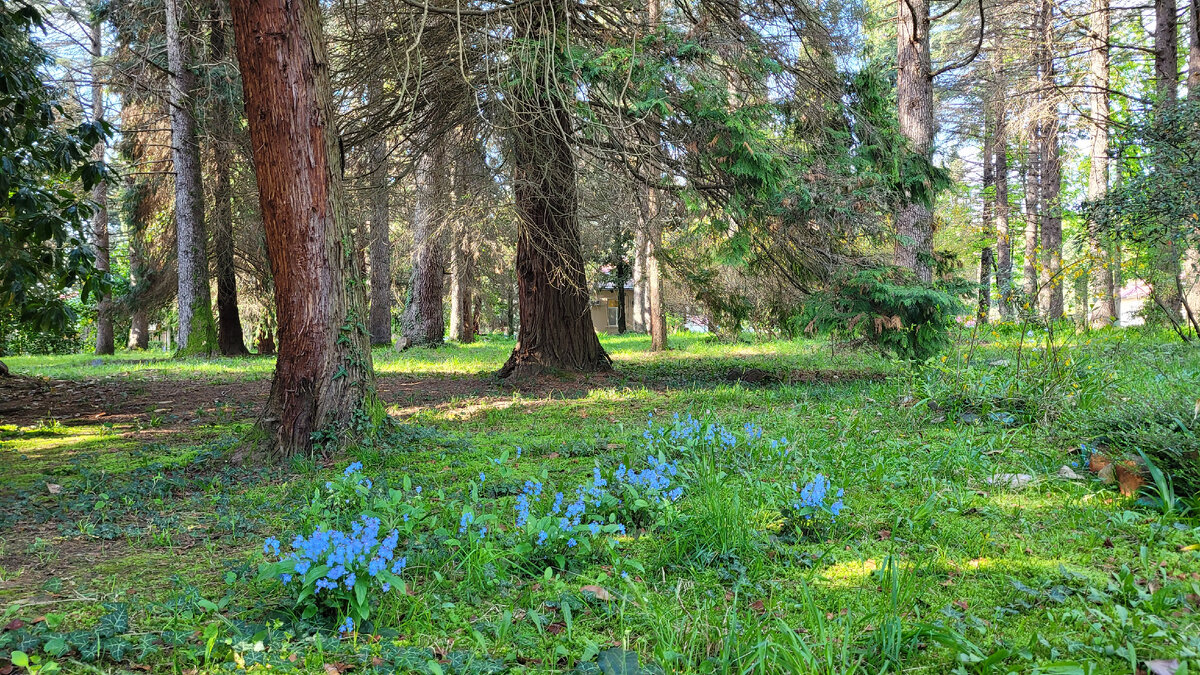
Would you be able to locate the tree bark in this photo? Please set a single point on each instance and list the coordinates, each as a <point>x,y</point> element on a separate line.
<point>1032,178</point>
<point>230,340</point>
<point>1100,278</point>
<point>1004,265</point>
<point>104,325</point>
<point>381,246</point>
<point>987,212</point>
<point>323,372</point>
<point>1164,286</point>
<point>556,324</point>
<point>422,324</point>
<point>197,332</point>
<point>914,92</point>
<point>1193,80</point>
<point>621,271</point>
<point>1051,184</point>
<point>641,296</point>
<point>462,286</point>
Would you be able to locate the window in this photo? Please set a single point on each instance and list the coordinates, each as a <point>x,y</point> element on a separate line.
<point>612,313</point>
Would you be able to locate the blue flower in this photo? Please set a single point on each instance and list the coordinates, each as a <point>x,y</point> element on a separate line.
<point>571,542</point>
<point>542,537</point>
<point>465,522</point>
<point>347,626</point>
<point>353,468</point>
<point>271,545</point>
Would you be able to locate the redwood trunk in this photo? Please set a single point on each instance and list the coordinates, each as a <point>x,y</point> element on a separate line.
<point>423,324</point>
<point>381,246</point>
<point>556,325</point>
<point>229,321</point>
<point>323,372</point>
<point>1100,278</point>
<point>104,324</point>
<point>914,92</point>
<point>197,334</point>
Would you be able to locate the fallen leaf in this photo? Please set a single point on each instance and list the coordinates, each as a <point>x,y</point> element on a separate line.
<point>555,628</point>
<point>553,455</point>
<point>961,604</point>
<point>1162,666</point>
<point>53,488</point>
<point>14,624</point>
<point>758,606</point>
<point>884,534</point>
<point>599,592</point>
<point>331,669</point>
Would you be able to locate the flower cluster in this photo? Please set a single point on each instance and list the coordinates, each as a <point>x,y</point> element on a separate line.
<point>814,500</point>
<point>656,478</point>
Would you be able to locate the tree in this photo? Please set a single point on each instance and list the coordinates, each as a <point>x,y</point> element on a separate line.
<point>197,332</point>
<point>45,155</point>
<point>1100,284</point>
<point>1051,172</point>
<point>423,323</point>
<point>229,322</point>
<point>1164,282</point>
<point>323,373</point>
<point>556,325</point>
<point>914,87</point>
<point>104,323</point>
<point>1000,213</point>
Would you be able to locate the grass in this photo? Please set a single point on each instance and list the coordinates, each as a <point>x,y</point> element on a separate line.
<point>933,566</point>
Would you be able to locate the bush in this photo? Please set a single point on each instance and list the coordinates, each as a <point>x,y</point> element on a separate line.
<point>1164,428</point>
<point>886,307</point>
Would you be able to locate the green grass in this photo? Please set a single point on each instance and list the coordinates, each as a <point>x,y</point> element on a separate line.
<point>930,568</point>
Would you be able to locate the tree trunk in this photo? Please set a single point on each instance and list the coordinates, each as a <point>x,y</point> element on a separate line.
<point>1164,283</point>
<point>556,324</point>
<point>1193,80</point>
<point>323,372</point>
<point>1100,279</point>
<point>641,296</point>
<point>462,286</point>
<point>1051,174</point>
<point>620,295</point>
<point>139,320</point>
<point>381,246</point>
<point>1032,171</point>
<point>229,321</point>
<point>197,332</point>
<point>104,324</point>
<point>139,330</point>
<point>914,93</point>
<point>422,324</point>
<point>984,310</point>
<point>1004,266</point>
<point>508,307</point>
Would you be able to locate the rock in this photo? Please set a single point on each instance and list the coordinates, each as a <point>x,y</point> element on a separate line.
<point>1012,481</point>
<point>96,362</point>
<point>1068,473</point>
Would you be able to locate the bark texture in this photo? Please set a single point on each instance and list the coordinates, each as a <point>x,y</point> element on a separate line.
<point>1004,263</point>
<point>104,324</point>
<point>381,245</point>
<point>423,324</point>
<point>463,282</point>
<point>914,94</point>
<point>197,333</point>
<point>229,321</point>
<point>640,321</point>
<point>323,372</point>
<point>1032,178</point>
<point>1100,278</point>
<point>1051,176</point>
<point>1165,284</point>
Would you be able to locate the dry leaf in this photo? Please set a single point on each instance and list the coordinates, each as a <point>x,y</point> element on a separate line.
<point>555,628</point>
<point>1162,667</point>
<point>53,488</point>
<point>758,606</point>
<point>599,592</point>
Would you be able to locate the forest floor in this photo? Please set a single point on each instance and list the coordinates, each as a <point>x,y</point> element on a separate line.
<point>128,542</point>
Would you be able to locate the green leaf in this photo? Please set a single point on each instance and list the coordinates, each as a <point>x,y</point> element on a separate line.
<point>56,646</point>
<point>617,661</point>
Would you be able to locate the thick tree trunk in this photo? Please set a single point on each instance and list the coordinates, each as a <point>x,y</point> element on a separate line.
<point>104,308</point>
<point>139,330</point>
<point>139,320</point>
<point>381,245</point>
<point>197,332</point>
<point>914,93</point>
<point>229,321</point>
<point>422,324</point>
<point>323,372</point>
<point>1100,278</point>
<point>556,324</point>
<point>656,318</point>
<point>1165,252</point>
<point>987,212</point>
<point>621,318</point>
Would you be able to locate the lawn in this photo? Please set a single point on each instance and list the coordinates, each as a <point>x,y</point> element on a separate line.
<point>699,535</point>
